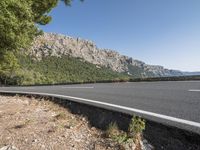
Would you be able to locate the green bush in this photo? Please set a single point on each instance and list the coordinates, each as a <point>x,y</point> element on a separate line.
<point>136,126</point>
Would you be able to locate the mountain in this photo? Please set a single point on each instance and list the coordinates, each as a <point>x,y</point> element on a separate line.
<point>56,45</point>
<point>191,73</point>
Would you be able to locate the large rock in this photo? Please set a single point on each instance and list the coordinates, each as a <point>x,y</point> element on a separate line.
<point>57,45</point>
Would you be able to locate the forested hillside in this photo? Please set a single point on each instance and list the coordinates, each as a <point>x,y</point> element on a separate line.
<point>54,70</point>
<point>51,44</point>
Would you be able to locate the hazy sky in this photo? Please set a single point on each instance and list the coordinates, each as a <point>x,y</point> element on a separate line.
<point>162,32</point>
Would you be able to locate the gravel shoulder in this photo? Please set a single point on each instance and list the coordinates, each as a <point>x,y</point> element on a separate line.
<point>29,123</point>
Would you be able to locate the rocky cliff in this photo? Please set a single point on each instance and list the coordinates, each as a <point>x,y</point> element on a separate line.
<point>58,45</point>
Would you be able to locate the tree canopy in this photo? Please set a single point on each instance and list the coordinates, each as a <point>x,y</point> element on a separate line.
<point>17,27</point>
<point>19,21</point>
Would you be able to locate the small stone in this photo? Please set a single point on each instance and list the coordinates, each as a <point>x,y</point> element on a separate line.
<point>145,141</point>
<point>67,126</point>
<point>35,140</point>
<point>93,128</point>
<point>83,119</point>
<point>64,136</point>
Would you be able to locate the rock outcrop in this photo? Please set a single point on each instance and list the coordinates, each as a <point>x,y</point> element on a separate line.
<point>57,45</point>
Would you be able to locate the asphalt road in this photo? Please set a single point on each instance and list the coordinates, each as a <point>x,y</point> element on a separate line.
<point>168,102</point>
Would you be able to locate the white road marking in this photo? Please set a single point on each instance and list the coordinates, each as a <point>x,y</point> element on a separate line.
<point>194,90</point>
<point>27,88</point>
<point>165,117</point>
<point>76,87</point>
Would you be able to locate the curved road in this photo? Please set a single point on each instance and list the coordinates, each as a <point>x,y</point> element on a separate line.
<point>172,103</point>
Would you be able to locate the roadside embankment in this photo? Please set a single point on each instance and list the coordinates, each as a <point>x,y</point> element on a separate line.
<point>44,123</point>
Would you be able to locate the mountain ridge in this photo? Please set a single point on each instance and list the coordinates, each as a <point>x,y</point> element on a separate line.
<point>52,44</point>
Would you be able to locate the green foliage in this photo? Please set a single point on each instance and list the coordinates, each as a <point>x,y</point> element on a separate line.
<point>177,78</point>
<point>17,28</point>
<point>41,8</point>
<point>8,67</point>
<point>54,70</point>
<point>112,130</point>
<point>122,138</point>
<point>19,19</point>
<point>116,134</point>
<point>8,62</point>
<point>136,126</point>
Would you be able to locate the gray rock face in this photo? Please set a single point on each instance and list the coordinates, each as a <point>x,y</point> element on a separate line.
<point>57,45</point>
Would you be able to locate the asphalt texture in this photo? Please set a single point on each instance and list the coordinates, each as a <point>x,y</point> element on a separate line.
<point>180,99</point>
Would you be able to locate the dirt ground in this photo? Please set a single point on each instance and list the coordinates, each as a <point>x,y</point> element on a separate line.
<point>32,124</point>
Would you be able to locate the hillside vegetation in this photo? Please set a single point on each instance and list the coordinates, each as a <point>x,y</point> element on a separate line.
<point>55,70</point>
<point>51,44</point>
<point>66,69</point>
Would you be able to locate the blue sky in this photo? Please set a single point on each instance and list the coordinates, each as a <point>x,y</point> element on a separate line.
<point>162,32</point>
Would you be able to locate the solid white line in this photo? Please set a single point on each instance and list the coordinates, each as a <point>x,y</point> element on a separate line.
<point>194,90</point>
<point>165,117</point>
<point>76,87</point>
<point>28,88</point>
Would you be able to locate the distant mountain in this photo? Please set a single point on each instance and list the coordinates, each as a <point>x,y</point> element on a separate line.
<point>58,45</point>
<point>191,73</point>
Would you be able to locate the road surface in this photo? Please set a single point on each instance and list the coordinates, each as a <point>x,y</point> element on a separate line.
<point>168,102</point>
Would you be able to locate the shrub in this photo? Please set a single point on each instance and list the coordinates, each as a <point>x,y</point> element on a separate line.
<point>112,130</point>
<point>136,127</point>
